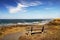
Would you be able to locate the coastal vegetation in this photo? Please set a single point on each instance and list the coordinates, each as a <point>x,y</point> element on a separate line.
<point>51,31</point>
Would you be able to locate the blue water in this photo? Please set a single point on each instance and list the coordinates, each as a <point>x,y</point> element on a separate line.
<point>6,21</point>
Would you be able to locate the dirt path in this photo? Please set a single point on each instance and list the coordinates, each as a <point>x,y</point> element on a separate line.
<point>13,36</point>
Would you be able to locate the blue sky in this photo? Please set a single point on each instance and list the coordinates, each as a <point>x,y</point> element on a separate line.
<point>29,9</point>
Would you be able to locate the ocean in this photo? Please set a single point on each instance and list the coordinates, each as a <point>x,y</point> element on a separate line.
<point>15,21</point>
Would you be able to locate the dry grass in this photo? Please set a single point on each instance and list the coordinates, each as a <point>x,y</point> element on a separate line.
<point>51,32</point>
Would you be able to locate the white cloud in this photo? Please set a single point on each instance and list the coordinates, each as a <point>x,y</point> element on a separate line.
<point>21,6</point>
<point>35,3</point>
<point>16,9</point>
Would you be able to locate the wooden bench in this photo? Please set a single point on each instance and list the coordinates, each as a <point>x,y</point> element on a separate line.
<point>35,31</point>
